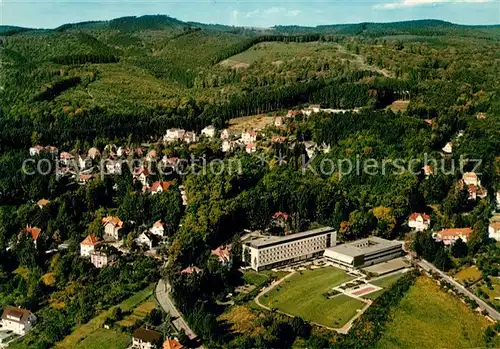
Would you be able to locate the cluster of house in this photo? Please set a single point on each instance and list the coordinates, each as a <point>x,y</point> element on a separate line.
<point>471,181</point>
<point>96,249</point>
<point>146,338</point>
<point>422,221</point>
<point>18,320</point>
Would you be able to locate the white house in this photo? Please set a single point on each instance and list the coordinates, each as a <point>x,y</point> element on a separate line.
<point>66,158</point>
<point>87,246</point>
<point>18,320</point>
<point>112,226</point>
<point>36,150</point>
<point>209,131</point>
<point>113,166</point>
<point>419,221</point>
<point>190,137</point>
<point>100,259</point>
<point>158,229</point>
<point>448,148</point>
<point>227,146</point>
<point>494,230</point>
<point>278,121</point>
<point>249,137</point>
<point>141,175</point>
<point>227,134</point>
<point>84,163</point>
<point>174,134</point>
<point>146,239</point>
<point>449,236</point>
<point>250,148</point>
<point>93,153</point>
<point>159,187</point>
<point>144,338</point>
<point>428,170</point>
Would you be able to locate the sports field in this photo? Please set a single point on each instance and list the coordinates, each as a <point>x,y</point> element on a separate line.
<point>428,317</point>
<point>303,295</point>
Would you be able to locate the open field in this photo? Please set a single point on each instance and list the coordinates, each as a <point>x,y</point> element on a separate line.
<point>102,338</point>
<point>494,294</point>
<point>139,312</point>
<point>92,332</point>
<point>471,274</point>
<point>384,282</point>
<point>399,105</point>
<point>302,295</point>
<point>428,317</point>
<point>253,122</point>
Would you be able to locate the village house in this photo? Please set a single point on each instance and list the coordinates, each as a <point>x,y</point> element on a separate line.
<point>249,137</point>
<point>428,170</point>
<point>172,344</point>
<point>278,121</point>
<point>113,166</point>
<point>42,203</point>
<point>449,236</point>
<point>19,321</point>
<point>84,163</point>
<point>227,146</point>
<point>142,175</point>
<point>498,199</point>
<point>147,239</point>
<point>278,139</point>
<point>471,178</point>
<point>36,150</point>
<point>494,229</point>
<point>112,226</point>
<point>84,178</point>
<point>481,116</point>
<point>448,148</point>
<point>144,338</point>
<point>66,158</point>
<point>174,134</point>
<point>250,148</point>
<point>429,122</point>
<point>228,134</point>
<point>158,229</point>
<point>101,258</point>
<point>191,270</point>
<point>151,155</point>
<point>209,131</point>
<point>182,191</point>
<point>160,186</point>
<point>33,232</point>
<point>88,245</point>
<point>190,137</point>
<point>291,114</point>
<point>122,151</point>
<point>280,219</point>
<point>419,221</point>
<point>93,153</point>
<point>223,253</point>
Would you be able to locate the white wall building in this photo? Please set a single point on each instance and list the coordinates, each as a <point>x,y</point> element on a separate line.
<point>274,251</point>
<point>174,134</point>
<point>18,320</point>
<point>494,230</point>
<point>143,338</point>
<point>364,252</point>
<point>88,245</point>
<point>249,137</point>
<point>100,259</point>
<point>419,221</point>
<point>209,131</point>
<point>449,236</point>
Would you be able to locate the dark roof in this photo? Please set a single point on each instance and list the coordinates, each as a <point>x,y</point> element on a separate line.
<point>18,313</point>
<point>147,335</point>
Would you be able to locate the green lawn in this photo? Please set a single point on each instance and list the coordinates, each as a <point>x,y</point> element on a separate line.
<point>384,282</point>
<point>89,335</point>
<point>472,274</point>
<point>302,295</point>
<point>428,317</point>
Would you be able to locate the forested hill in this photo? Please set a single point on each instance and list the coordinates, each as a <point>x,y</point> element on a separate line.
<point>141,75</point>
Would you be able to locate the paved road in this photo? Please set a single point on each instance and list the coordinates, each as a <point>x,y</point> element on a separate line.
<point>163,297</point>
<point>482,304</point>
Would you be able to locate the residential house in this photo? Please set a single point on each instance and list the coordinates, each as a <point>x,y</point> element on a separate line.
<point>250,148</point>
<point>316,108</point>
<point>209,131</point>
<point>84,163</point>
<point>481,116</point>
<point>291,114</point>
<point>228,134</point>
<point>112,226</point>
<point>494,230</point>
<point>280,219</point>
<point>190,137</point>
<point>227,146</point>
<point>113,166</point>
<point>66,158</point>
<point>18,320</point>
<point>141,175</point>
<point>223,253</point>
<point>51,149</point>
<point>249,137</point>
<point>122,151</point>
<point>144,338</point>
<point>428,170</point>
<point>160,186</point>
<point>88,245</point>
<point>278,139</point>
<point>42,203</point>
<point>449,236</point>
<point>498,199</point>
<point>191,270</point>
<point>36,150</point>
<point>278,121</point>
<point>33,232</point>
<point>419,221</point>
<point>151,155</point>
<point>158,229</point>
<point>146,239</point>
<point>429,122</point>
<point>474,191</point>
<point>172,344</point>
<point>101,258</point>
<point>183,193</point>
<point>174,134</point>
<point>448,148</point>
<point>93,153</point>
<point>471,178</point>
<point>84,178</point>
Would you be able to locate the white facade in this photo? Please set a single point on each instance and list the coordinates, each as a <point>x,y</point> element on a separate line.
<point>144,239</point>
<point>494,230</point>
<point>174,134</point>
<point>85,250</point>
<point>448,148</point>
<point>158,229</point>
<point>100,259</point>
<point>209,131</point>
<point>250,148</point>
<point>249,137</point>
<point>419,222</point>
<point>17,320</point>
<point>498,199</point>
<point>227,146</point>
<point>190,137</point>
<point>270,252</point>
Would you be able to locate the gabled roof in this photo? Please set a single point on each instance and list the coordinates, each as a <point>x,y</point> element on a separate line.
<point>495,225</point>
<point>223,252</point>
<point>33,231</point>
<point>172,344</point>
<point>415,215</point>
<point>113,220</point>
<point>190,270</point>
<point>158,224</point>
<point>147,335</point>
<point>142,170</point>
<point>161,184</point>
<point>66,156</point>
<point>93,152</point>
<point>43,202</point>
<point>455,232</point>
<point>280,215</point>
<point>90,240</point>
<point>18,315</point>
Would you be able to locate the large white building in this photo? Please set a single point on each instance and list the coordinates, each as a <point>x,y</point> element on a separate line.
<point>274,251</point>
<point>364,252</point>
<point>18,320</point>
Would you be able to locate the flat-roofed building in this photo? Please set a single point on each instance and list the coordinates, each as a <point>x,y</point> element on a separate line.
<point>364,252</point>
<point>274,251</point>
